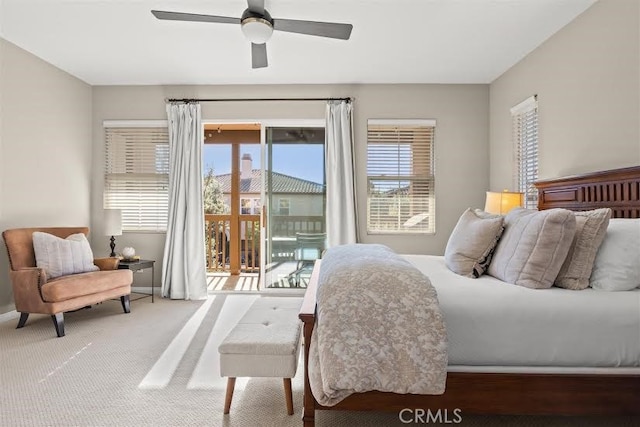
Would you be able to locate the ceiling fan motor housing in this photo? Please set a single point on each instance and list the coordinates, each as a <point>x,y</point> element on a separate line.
<point>248,13</point>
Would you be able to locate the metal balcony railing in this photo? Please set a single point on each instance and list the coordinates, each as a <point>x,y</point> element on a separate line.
<point>218,235</point>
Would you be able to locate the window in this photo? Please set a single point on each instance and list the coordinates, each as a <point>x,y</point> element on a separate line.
<point>525,137</point>
<point>257,206</point>
<point>245,206</point>
<point>136,176</point>
<point>400,176</point>
<point>250,206</point>
<point>283,206</point>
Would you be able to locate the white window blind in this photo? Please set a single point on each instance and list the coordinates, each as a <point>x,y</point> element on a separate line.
<point>136,176</point>
<point>525,137</point>
<point>400,176</point>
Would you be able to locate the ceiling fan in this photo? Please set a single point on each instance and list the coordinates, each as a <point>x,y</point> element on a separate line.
<point>258,25</point>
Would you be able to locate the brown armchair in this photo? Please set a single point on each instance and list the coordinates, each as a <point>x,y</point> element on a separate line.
<point>34,293</point>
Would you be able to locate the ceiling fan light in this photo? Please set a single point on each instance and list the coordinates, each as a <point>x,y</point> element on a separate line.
<point>257,30</point>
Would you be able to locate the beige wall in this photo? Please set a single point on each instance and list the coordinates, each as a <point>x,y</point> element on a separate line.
<point>461,111</point>
<point>45,165</point>
<point>2,54</point>
<point>587,78</point>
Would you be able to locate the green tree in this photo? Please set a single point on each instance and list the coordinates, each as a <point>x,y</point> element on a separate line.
<point>213,201</point>
<point>212,194</point>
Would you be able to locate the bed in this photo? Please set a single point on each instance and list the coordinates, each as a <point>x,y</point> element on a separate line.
<point>475,385</point>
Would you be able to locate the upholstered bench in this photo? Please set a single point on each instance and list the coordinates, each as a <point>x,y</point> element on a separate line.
<point>264,343</point>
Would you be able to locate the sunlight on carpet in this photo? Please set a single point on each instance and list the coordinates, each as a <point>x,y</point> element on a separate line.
<point>93,376</point>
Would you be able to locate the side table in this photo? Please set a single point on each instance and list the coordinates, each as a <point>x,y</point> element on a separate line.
<point>139,264</point>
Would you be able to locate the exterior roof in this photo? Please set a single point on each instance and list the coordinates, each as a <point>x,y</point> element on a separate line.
<point>281,184</point>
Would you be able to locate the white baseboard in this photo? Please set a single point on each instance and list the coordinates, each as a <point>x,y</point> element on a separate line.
<point>4,317</point>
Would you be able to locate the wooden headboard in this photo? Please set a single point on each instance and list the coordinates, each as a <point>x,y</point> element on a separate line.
<point>618,189</point>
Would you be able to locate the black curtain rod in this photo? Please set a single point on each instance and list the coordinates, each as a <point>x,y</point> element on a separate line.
<point>188,100</point>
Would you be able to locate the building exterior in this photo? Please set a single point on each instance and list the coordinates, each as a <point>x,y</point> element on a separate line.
<point>290,196</point>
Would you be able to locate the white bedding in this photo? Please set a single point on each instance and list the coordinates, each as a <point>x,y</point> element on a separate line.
<point>493,323</point>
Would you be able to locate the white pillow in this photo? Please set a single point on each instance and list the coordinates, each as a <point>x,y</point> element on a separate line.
<point>60,257</point>
<point>617,264</point>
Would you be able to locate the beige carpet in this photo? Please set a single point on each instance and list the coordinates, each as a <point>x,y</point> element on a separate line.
<point>91,377</point>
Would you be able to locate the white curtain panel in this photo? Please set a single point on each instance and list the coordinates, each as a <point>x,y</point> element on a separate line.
<point>341,202</point>
<point>183,270</point>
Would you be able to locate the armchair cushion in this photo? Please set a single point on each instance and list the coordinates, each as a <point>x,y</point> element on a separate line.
<point>77,285</point>
<point>60,257</point>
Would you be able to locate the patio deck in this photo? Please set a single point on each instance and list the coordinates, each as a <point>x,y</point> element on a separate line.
<point>247,282</point>
<point>280,275</point>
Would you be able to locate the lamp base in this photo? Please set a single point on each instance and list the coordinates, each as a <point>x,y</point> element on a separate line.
<point>112,246</point>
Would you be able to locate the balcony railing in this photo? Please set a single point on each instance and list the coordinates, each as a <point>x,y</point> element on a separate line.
<point>289,225</point>
<point>218,237</point>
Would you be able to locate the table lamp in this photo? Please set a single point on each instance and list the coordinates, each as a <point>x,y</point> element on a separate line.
<point>112,226</point>
<point>502,202</point>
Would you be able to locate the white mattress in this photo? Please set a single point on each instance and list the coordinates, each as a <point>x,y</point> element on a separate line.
<point>495,324</point>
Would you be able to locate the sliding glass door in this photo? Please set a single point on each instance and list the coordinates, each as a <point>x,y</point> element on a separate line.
<point>295,198</point>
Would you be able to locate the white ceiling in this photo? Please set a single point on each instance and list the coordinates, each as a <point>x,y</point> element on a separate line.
<point>118,42</point>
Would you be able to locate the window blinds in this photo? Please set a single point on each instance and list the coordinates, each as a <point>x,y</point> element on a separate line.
<point>137,176</point>
<point>525,137</point>
<point>400,176</point>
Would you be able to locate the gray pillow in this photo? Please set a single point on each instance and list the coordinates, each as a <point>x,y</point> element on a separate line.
<point>472,242</point>
<point>591,227</point>
<point>533,247</point>
<point>60,257</point>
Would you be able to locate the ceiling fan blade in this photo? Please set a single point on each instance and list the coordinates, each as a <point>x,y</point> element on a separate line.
<point>259,55</point>
<point>256,6</point>
<point>323,29</point>
<point>193,17</point>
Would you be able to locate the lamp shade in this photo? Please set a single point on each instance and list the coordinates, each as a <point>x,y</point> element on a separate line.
<point>502,202</point>
<point>112,222</point>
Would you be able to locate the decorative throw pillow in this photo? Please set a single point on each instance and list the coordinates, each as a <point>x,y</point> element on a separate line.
<point>472,242</point>
<point>533,247</point>
<point>590,230</point>
<point>617,263</point>
<point>59,257</point>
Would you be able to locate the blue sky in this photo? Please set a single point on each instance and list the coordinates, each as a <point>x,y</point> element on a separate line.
<point>304,161</point>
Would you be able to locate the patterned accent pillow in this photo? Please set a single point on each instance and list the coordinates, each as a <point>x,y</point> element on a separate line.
<point>591,227</point>
<point>60,257</point>
<point>472,241</point>
<point>533,247</point>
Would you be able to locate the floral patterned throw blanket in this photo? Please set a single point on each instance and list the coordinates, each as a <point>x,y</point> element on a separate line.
<point>378,327</point>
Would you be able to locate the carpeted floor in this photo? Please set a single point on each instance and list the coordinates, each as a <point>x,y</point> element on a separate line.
<point>156,367</point>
